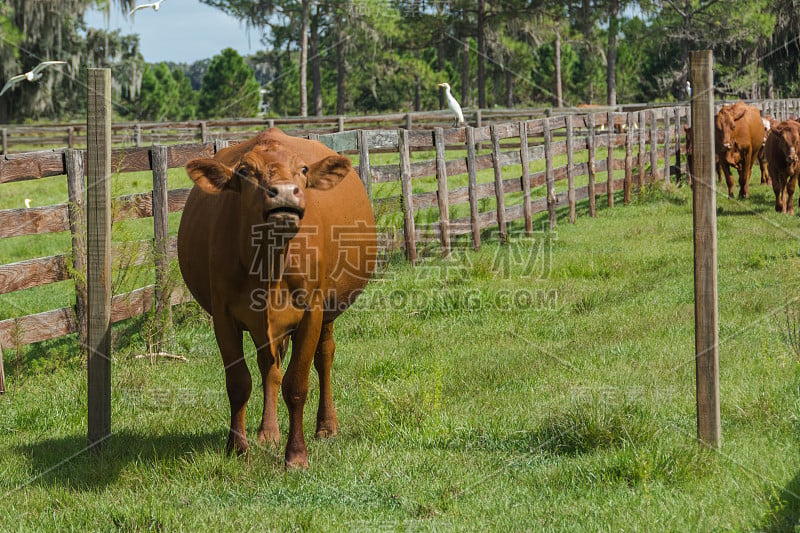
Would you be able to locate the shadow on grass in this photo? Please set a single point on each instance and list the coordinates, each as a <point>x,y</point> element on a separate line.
<point>785,508</point>
<point>67,461</point>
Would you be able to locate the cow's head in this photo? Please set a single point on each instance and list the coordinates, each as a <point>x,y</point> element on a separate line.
<point>272,183</point>
<point>724,125</point>
<point>788,139</point>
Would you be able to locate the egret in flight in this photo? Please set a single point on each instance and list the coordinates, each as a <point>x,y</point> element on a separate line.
<point>31,75</point>
<point>154,5</point>
<point>452,103</point>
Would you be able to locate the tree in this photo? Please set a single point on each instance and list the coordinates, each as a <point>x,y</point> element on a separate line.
<point>229,88</point>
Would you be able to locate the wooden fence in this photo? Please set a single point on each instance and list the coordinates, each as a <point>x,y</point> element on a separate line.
<point>651,139</point>
<point>72,135</point>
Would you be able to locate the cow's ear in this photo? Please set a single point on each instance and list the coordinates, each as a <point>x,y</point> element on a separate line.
<point>327,173</point>
<point>739,113</point>
<point>211,175</point>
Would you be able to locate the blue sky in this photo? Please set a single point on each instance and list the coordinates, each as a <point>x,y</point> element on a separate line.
<point>181,31</point>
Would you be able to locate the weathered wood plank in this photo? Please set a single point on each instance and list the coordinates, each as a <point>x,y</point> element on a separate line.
<point>626,195</point>
<point>36,220</point>
<point>76,190</point>
<point>441,178</point>
<point>570,169</point>
<point>610,163</point>
<point>160,208</point>
<point>526,184</point>
<point>498,184</point>
<point>472,177</point>
<point>408,202</point>
<point>592,165</point>
<point>642,137</point>
<point>32,273</point>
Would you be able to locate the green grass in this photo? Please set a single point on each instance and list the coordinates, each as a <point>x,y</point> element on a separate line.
<point>570,408</point>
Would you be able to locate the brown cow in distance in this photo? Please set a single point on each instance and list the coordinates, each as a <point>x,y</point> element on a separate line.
<point>739,134</point>
<point>782,147</point>
<point>277,238</point>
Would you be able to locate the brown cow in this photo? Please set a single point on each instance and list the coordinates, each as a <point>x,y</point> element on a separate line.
<point>277,238</point>
<point>782,147</point>
<point>739,134</point>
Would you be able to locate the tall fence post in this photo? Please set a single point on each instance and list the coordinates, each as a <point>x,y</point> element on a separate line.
<point>409,228</point>
<point>654,145</point>
<point>610,161</point>
<point>441,191</point>
<point>626,187</point>
<point>363,163</point>
<point>160,165</point>
<point>667,140</point>
<point>526,180</point>
<point>499,190</point>
<point>76,190</point>
<point>590,163</point>
<point>408,121</point>
<point>548,173</point>
<point>70,137</point>
<point>340,122</point>
<point>203,132</point>
<point>705,251</point>
<point>4,134</point>
<point>472,175</point>
<point>570,170</point>
<point>642,138</point>
<point>98,132</point>
<point>137,135</point>
<point>678,130</point>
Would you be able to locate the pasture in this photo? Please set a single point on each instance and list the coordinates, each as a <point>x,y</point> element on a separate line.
<point>544,384</point>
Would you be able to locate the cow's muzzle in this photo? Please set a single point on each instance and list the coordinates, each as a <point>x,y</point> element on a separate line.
<point>284,203</point>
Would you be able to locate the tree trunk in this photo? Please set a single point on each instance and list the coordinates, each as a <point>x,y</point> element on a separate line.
<point>465,71</point>
<point>440,69</point>
<point>340,68</point>
<point>481,53</point>
<point>509,88</point>
<point>305,15</point>
<point>770,84</point>
<point>316,74</point>
<point>557,48</point>
<point>611,53</point>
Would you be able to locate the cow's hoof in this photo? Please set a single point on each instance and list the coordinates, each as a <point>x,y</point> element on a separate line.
<point>237,446</point>
<point>269,437</point>
<point>326,433</point>
<point>299,462</point>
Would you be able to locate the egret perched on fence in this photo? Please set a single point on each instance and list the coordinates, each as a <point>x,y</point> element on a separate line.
<point>688,90</point>
<point>31,75</point>
<point>452,103</point>
<point>154,5</point>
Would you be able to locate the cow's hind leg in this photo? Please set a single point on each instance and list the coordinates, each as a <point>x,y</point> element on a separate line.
<point>237,380</point>
<point>726,170</point>
<point>744,177</point>
<point>327,423</point>
<point>790,186</point>
<point>762,163</point>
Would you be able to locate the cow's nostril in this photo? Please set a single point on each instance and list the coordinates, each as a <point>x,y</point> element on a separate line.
<point>296,191</point>
<point>272,192</point>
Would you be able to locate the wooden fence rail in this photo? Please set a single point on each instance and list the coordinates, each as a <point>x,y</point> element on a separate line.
<point>517,148</point>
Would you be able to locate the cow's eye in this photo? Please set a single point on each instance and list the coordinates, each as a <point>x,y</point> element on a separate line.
<point>243,172</point>
<point>304,170</point>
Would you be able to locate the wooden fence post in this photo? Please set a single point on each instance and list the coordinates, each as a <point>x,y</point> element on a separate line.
<point>137,135</point>
<point>626,187</point>
<point>590,164</point>
<point>441,191</point>
<point>220,144</point>
<point>408,121</point>
<point>667,139</point>
<point>98,132</point>
<point>76,187</point>
<point>409,229</point>
<point>499,190</point>
<point>570,170</point>
<point>340,122</point>
<point>163,311</point>
<point>473,188</point>
<point>654,145</point>
<point>705,251</point>
<point>203,132</point>
<point>363,163</point>
<point>678,131</point>
<point>610,160</point>
<point>526,180</point>
<point>70,137</point>
<point>642,137</point>
<point>4,132</point>
<point>548,173</point>
<point>270,123</point>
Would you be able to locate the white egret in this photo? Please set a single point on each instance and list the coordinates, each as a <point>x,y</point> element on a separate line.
<point>452,103</point>
<point>688,90</point>
<point>27,203</point>
<point>154,5</point>
<point>31,75</point>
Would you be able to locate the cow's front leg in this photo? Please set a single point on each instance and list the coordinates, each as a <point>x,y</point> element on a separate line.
<point>790,186</point>
<point>744,177</point>
<point>295,384</point>
<point>726,171</point>
<point>762,164</point>
<point>270,356</point>
<point>327,424</point>
<point>237,379</point>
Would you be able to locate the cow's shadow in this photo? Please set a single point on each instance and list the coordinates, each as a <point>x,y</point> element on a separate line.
<point>67,461</point>
<point>785,506</point>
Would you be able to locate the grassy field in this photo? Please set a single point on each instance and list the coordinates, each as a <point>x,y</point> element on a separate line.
<point>543,385</point>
